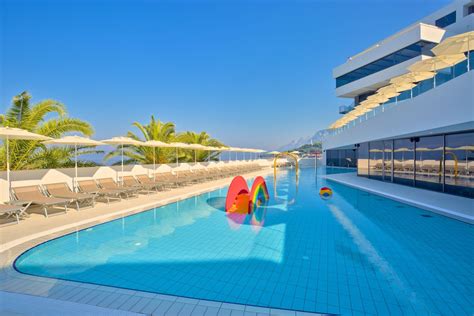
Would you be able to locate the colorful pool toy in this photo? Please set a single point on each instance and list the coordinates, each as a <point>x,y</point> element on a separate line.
<point>242,200</point>
<point>325,193</point>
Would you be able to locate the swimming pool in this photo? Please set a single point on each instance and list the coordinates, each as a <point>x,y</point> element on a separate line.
<point>355,253</point>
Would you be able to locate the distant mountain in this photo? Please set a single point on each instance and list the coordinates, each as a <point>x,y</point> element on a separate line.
<point>317,137</point>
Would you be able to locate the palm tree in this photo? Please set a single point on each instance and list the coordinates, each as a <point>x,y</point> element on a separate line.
<point>47,117</point>
<point>202,138</point>
<point>155,130</point>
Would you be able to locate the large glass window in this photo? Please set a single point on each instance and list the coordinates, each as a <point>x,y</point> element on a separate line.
<point>444,75</point>
<point>403,161</point>
<point>341,158</point>
<point>387,160</point>
<point>429,163</point>
<point>442,163</point>
<point>460,68</point>
<point>393,59</point>
<point>332,158</point>
<point>376,150</point>
<point>350,158</point>
<point>363,160</point>
<point>459,164</point>
<point>446,20</point>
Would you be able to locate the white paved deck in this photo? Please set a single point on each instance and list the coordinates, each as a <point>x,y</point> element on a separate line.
<point>448,205</point>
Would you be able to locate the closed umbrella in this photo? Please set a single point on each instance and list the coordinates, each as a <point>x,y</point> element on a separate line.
<point>8,133</point>
<point>121,141</point>
<point>75,141</point>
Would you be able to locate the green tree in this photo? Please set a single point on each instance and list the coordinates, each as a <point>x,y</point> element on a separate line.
<point>154,130</point>
<point>202,138</point>
<point>47,117</point>
<point>164,132</point>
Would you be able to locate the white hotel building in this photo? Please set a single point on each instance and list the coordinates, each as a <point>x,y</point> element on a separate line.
<point>423,136</point>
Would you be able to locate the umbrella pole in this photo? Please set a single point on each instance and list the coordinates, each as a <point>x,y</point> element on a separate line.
<point>8,169</point>
<point>122,164</point>
<point>154,165</point>
<point>195,156</point>
<point>74,185</point>
<point>177,161</point>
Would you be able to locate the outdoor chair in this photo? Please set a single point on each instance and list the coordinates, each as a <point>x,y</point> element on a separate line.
<point>110,184</point>
<point>17,211</point>
<point>34,195</point>
<point>91,187</point>
<point>62,190</point>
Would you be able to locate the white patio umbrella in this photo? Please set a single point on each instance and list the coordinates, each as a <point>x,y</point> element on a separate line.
<point>234,149</point>
<point>414,76</point>
<point>258,152</point>
<point>221,149</point>
<point>274,153</point>
<point>8,133</point>
<point>155,144</point>
<point>75,141</point>
<point>437,63</point>
<point>211,148</point>
<point>197,147</point>
<point>178,145</point>
<point>461,43</point>
<point>121,141</point>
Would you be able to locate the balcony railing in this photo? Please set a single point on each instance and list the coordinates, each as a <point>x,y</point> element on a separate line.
<point>442,76</point>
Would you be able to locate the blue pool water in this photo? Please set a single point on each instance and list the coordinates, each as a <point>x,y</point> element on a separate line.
<point>355,253</point>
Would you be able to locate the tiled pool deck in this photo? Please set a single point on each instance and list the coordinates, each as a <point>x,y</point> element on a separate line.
<point>456,207</point>
<point>24,294</point>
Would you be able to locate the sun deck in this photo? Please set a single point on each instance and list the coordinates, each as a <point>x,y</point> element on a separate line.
<point>456,207</point>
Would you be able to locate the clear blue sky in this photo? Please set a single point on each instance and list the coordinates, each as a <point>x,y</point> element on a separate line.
<point>251,73</point>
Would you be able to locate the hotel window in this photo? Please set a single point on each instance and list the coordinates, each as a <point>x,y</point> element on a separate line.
<point>470,10</point>
<point>403,161</point>
<point>446,20</point>
<point>429,163</point>
<point>363,160</point>
<point>409,52</point>
<point>459,164</point>
<point>387,160</point>
<point>444,75</point>
<point>341,158</point>
<point>376,150</point>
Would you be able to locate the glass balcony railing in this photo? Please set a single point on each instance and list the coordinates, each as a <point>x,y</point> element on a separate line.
<point>442,76</point>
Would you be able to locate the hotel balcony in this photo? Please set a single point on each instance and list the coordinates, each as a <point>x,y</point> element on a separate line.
<point>448,107</point>
<point>401,50</point>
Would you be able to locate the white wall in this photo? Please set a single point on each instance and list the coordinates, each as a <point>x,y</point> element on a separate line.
<point>45,176</point>
<point>445,106</point>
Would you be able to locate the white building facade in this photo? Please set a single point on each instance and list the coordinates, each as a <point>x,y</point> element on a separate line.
<point>424,136</point>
